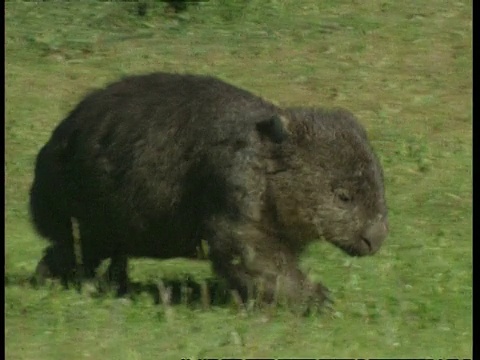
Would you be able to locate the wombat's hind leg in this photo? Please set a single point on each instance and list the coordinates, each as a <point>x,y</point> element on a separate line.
<point>90,267</point>
<point>58,262</point>
<point>117,273</point>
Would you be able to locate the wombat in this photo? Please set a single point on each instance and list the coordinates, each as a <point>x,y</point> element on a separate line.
<point>151,165</point>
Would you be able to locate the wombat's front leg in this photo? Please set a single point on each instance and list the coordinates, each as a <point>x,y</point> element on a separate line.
<point>257,264</point>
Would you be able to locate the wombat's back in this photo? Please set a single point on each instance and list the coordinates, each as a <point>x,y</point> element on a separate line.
<point>164,112</point>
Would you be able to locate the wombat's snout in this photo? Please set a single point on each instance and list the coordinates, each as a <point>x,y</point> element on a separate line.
<point>373,236</point>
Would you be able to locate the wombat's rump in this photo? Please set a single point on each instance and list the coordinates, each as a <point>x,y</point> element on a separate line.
<point>153,164</point>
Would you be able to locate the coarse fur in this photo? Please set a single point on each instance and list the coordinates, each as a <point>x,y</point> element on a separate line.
<point>153,164</point>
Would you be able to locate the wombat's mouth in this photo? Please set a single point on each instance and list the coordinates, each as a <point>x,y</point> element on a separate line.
<point>361,247</point>
<point>368,243</point>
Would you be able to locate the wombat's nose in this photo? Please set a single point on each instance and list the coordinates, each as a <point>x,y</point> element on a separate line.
<point>375,234</point>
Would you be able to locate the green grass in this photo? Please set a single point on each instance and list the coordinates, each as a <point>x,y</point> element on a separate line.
<point>403,67</point>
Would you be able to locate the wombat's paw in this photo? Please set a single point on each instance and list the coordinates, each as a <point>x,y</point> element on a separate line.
<point>36,280</point>
<point>106,283</point>
<point>322,291</point>
<point>41,274</point>
<point>318,300</point>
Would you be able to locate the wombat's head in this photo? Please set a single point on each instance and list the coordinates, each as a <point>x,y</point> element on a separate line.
<point>326,181</point>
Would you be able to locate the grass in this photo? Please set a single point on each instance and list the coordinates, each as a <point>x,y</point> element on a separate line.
<point>405,68</point>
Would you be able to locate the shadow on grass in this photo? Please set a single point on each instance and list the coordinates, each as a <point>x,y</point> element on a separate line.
<point>183,291</point>
<point>174,291</point>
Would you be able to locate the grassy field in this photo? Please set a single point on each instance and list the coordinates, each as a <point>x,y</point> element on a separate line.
<point>403,67</point>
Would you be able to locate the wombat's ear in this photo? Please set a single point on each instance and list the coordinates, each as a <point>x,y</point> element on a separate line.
<point>275,128</point>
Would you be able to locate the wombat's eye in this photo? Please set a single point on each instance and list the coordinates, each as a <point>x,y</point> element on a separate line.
<point>343,195</point>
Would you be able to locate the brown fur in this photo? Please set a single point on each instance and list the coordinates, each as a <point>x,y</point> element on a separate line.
<point>152,164</point>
